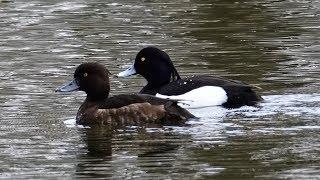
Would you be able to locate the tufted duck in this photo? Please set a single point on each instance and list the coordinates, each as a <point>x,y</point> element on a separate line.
<point>201,91</point>
<point>120,110</point>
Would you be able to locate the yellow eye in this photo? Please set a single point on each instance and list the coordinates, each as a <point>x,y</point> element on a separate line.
<point>143,59</point>
<point>85,74</point>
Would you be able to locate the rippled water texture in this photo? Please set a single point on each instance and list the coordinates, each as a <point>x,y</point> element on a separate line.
<point>271,44</point>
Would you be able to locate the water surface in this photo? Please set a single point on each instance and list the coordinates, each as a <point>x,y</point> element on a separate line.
<point>273,45</point>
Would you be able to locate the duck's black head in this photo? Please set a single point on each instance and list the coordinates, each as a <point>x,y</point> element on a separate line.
<point>154,65</point>
<point>92,78</point>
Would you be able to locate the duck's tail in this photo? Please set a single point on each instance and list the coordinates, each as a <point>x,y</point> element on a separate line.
<point>176,115</point>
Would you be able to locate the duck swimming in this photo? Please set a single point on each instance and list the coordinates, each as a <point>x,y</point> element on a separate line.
<point>163,80</point>
<point>120,110</point>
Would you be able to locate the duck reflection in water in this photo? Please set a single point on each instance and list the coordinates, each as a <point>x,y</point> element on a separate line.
<point>108,153</point>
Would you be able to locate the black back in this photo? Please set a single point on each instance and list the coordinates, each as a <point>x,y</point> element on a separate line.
<point>238,93</point>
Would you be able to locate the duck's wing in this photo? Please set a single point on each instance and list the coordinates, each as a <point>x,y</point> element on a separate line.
<point>187,84</point>
<point>139,109</point>
<point>121,100</point>
<point>238,93</point>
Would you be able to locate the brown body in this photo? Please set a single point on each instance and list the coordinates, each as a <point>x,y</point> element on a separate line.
<point>138,112</point>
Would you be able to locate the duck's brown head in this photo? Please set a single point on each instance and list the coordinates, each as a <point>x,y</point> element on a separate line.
<point>92,78</point>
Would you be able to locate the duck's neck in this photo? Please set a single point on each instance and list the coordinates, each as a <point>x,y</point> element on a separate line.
<point>156,83</point>
<point>96,98</point>
<point>150,89</point>
<point>97,95</point>
<point>90,102</point>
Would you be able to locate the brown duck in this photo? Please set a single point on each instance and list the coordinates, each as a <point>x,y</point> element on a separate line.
<point>120,110</point>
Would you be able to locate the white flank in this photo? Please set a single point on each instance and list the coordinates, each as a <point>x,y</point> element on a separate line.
<point>201,97</point>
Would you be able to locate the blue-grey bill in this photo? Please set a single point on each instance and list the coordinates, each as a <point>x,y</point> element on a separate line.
<point>71,86</point>
<point>128,72</point>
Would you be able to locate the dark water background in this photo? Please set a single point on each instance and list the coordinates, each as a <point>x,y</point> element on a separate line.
<point>272,44</point>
